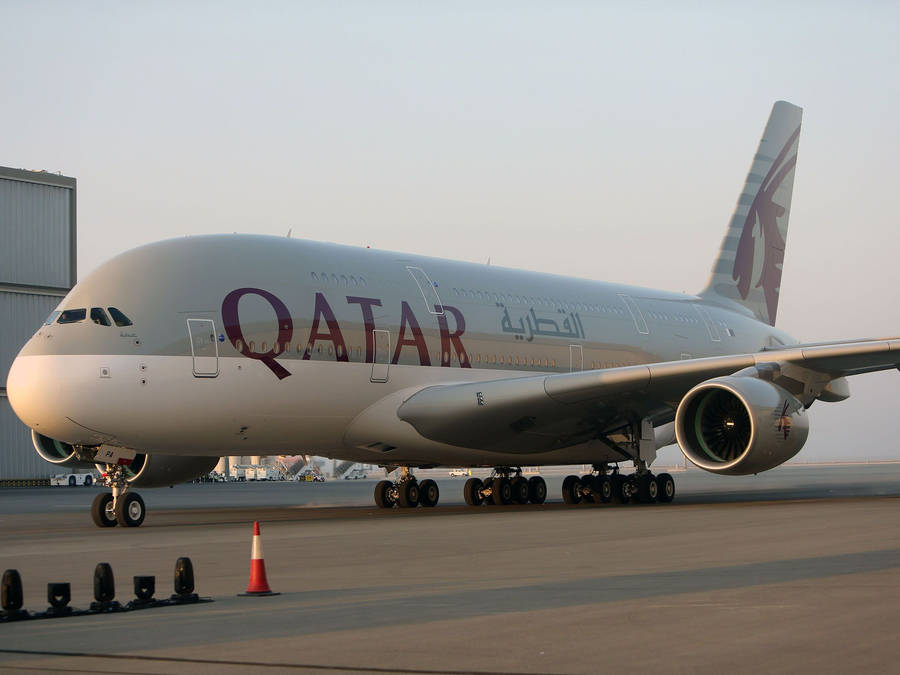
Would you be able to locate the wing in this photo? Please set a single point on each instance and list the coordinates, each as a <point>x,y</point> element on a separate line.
<point>548,412</point>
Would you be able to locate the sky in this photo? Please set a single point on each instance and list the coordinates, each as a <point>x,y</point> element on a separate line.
<point>605,140</point>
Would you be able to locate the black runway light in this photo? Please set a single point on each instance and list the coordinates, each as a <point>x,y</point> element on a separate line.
<point>11,596</point>
<point>144,588</point>
<point>184,581</point>
<point>104,589</point>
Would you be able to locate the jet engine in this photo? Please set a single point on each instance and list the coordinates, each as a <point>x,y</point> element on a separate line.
<point>59,453</point>
<point>144,470</point>
<point>740,425</point>
<point>152,471</point>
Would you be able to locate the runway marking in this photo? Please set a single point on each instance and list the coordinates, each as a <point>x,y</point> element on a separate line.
<point>253,664</point>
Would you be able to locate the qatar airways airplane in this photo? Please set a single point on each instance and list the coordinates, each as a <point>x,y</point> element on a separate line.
<point>176,353</point>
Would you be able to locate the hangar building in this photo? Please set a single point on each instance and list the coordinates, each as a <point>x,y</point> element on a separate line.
<point>37,269</point>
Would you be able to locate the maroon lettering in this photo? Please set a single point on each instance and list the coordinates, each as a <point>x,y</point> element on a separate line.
<point>334,335</point>
<point>448,338</point>
<point>408,318</point>
<point>233,328</point>
<point>366,304</point>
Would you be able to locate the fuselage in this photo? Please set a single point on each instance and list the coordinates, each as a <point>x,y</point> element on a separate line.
<point>243,344</point>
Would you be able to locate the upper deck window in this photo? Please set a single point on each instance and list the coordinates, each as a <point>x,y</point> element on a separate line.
<point>72,316</point>
<point>119,318</point>
<point>99,317</point>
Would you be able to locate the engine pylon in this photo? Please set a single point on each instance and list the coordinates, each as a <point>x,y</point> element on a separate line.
<point>259,584</point>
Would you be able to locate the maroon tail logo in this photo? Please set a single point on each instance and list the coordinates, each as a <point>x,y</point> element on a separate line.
<point>766,212</point>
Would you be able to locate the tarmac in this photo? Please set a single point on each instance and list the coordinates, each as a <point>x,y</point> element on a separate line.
<point>795,570</point>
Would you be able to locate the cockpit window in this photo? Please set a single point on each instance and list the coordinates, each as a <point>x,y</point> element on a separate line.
<point>52,318</point>
<point>72,316</point>
<point>118,317</point>
<point>99,317</point>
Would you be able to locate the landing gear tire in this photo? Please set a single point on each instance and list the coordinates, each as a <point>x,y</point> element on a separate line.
<point>101,511</point>
<point>520,490</point>
<point>130,510</point>
<point>571,492</point>
<point>472,492</point>
<point>537,490</point>
<point>665,488</point>
<point>501,491</point>
<point>647,489</point>
<point>409,494</point>
<point>429,493</point>
<point>601,489</point>
<point>587,495</point>
<point>621,489</point>
<point>382,494</point>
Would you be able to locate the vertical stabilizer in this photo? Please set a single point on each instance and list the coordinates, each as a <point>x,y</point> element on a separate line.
<point>748,268</point>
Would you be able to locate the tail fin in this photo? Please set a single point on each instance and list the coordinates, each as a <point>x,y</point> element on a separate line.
<point>748,268</point>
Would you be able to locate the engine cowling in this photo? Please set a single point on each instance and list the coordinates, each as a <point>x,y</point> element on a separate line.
<point>144,470</point>
<point>59,453</point>
<point>150,471</point>
<point>740,425</point>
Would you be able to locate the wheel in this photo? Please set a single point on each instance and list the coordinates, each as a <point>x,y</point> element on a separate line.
<point>101,511</point>
<point>584,484</point>
<point>520,490</point>
<point>665,488</point>
<point>429,493</point>
<point>601,489</point>
<point>621,488</point>
<point>537,490</point>
<point>382,496</point>
<point>409,494</point>
<point>88,481</point>
<point>472,492</point>
<point>501,491</point>
<point>130,510</point>
<point>71,481</point>
<point>647,489</point>
<point>570,492</point>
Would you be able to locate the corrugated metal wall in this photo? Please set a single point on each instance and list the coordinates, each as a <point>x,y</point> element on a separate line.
<point>22,314</point>
<point>34,231</point>
<point>17,456</point>
<point>36,235</point>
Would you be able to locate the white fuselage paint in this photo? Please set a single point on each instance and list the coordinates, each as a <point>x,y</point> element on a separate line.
<point>136,387</point>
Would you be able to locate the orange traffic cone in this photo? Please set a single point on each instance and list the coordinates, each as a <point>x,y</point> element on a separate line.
<point>258,585</point>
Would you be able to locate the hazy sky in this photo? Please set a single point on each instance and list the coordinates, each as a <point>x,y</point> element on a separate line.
<point>603,140</point>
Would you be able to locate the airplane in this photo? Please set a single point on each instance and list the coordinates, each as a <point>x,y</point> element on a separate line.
<point>175,353</point>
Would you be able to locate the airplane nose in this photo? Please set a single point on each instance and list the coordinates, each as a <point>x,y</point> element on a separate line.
<point>20,391</point>
<point>37,398</point>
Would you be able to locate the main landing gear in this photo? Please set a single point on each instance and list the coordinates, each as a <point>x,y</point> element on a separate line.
<point>119,507</point>
<point>602,486</point>
<point>407,492</point>
<point>505,486</point>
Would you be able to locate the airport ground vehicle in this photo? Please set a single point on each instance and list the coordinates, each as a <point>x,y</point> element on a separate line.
<point>310,476</point>
<point>409,361</point>
<point>73,479</point>
<point>355,474</point>
<point>460,472</point>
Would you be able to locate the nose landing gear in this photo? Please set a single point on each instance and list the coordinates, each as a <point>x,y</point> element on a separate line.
<point>120,506</point>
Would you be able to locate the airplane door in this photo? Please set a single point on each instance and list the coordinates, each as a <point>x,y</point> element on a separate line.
<point>381,364</point>
<point>204,348</point>
<point>576,358</point>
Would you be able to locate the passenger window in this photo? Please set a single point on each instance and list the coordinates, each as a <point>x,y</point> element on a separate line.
<point>119,318</point>
<point>52,318</point>
<point>239,345</point>
<point>98,316</point>
<point>72,316</point>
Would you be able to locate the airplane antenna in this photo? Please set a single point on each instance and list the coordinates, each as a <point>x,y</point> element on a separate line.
<point>290,229</point>
<point>489,260</point>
